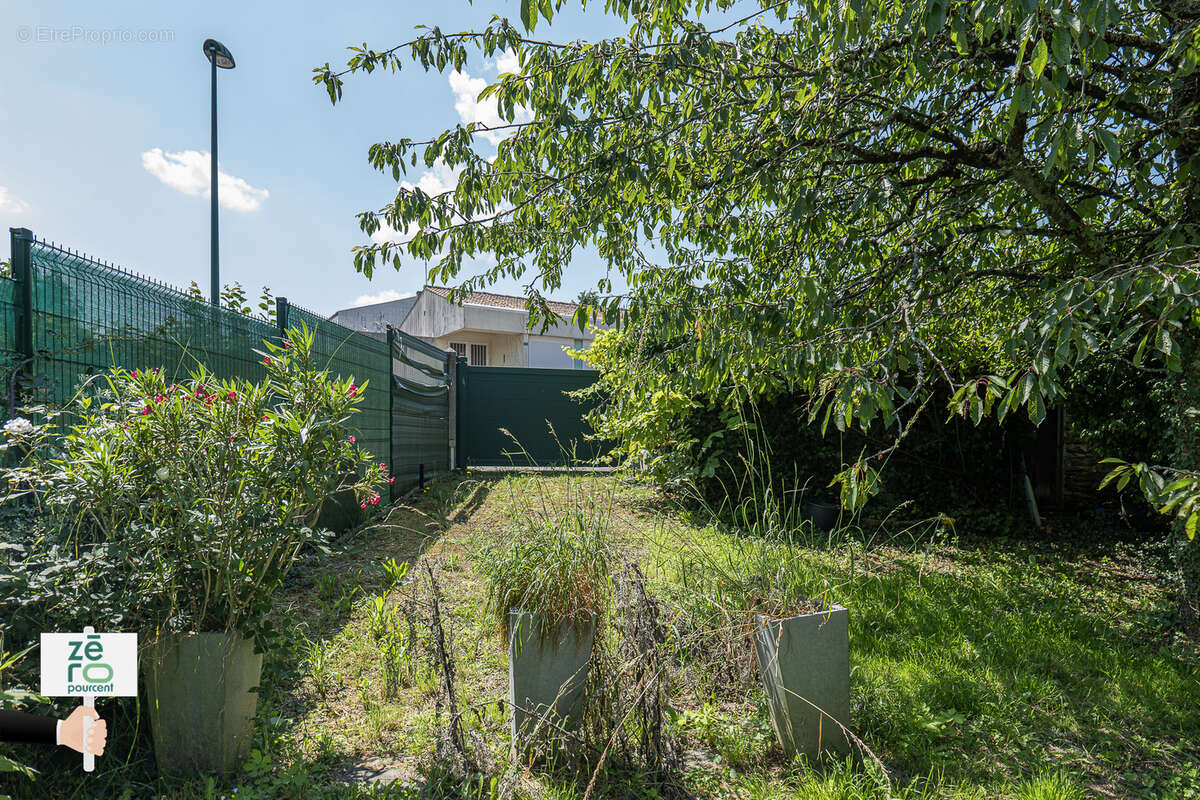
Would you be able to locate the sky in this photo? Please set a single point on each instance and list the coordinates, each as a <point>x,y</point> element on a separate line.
<point>104,135</point>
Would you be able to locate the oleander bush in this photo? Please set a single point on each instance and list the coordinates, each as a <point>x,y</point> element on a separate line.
<point>183,505</point>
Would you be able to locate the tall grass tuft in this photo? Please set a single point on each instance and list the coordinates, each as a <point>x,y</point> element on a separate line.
<point>556,567</point>
<point>760,498</point>
<point>1049,786</point>
<point>557,560</point>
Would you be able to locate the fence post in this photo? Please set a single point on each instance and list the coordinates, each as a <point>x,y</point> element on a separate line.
<point>281,316</point>
<point>451,412</point>
<point>20,240</point>
<point>391,340</point>
<point>460,385</point>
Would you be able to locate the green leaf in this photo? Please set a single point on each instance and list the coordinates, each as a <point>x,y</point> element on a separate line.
<point>935,17</point>
<point>1041,56</point>
<point>1189,527</point>
<point>1036,409</point>
<point>1111,145</point>
<point>529,14</point>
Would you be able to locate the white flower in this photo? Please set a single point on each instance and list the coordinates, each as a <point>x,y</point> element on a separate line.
<point>18,426</point>
<point>162,473</point>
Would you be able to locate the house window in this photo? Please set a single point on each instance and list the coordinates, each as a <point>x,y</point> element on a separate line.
<point>476,354</point>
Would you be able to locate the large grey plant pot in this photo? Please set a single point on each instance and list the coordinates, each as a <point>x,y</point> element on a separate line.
<point>546,675</point>
<point>805,666</point>
<point>201,707</point>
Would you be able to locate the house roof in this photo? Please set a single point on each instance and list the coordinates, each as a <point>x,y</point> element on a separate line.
<point>503,301</point>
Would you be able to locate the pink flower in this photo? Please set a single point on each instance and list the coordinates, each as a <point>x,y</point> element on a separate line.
<point>158,398</point>
<point>145,411</point>
<point>266,418</point>
<point>287,345</point>
<point>353,440</point>
<point>353,390</point>
<point>133,374</point>
<point>266,359</point>
<point>232,396</point>
<point>383,467</point>
<point>362,505</point>
<point>375,500</point>
<point>391,481</point>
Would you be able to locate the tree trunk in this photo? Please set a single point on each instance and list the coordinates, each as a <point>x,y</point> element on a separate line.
<point>1183,427</point>
<point>1183,432</point>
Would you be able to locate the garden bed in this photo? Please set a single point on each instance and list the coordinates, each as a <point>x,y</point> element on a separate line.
<point>980,668</point>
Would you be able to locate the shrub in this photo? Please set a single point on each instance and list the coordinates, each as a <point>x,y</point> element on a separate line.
<point>195,498</point>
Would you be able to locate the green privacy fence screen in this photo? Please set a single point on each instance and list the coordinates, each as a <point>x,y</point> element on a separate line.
<point>8,326</point>
<point>87,316</point>
<point>420,408</point>
<point>346,353</point>
<point>528,404</point>
<point>65,316</point>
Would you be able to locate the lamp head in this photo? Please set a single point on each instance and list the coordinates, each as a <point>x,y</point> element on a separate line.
<point>218,53</point>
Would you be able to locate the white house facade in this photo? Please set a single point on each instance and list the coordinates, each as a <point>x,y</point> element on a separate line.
<point>488,329</point>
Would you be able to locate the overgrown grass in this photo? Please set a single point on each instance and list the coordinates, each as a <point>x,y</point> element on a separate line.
<point>1010,668</point>
<point>555,566</point>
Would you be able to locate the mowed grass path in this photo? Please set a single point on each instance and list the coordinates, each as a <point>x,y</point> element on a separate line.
<point>1013,668</point>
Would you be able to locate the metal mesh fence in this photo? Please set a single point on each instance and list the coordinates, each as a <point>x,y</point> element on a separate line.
<point>87,316</point>
<point>349,354</point>
<point>8,325</point>
<point>8,343</point>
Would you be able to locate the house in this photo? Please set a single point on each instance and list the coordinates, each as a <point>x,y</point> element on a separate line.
<point>488,329</point>
<point>374,319</point>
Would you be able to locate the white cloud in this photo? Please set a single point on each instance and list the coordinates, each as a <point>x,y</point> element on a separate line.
<point>508,62</point>
<point>188,172</point>
<point>383,297</point>
<point>432,182</point>
<point>471,109</point>
<point>387,233</point>
<point>11,204</point>
<point>435,181</point>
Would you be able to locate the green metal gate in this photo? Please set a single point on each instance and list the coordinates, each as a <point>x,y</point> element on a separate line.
<point>527,403</point>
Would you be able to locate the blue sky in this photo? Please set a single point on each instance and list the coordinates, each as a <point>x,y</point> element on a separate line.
<point>104,135</point>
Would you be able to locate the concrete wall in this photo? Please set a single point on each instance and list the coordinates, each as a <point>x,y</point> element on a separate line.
<point>505,332</point>
<point>432,317</point>
<point>376,317</point>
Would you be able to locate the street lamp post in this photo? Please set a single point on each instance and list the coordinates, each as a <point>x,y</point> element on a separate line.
<point>219,56</point>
